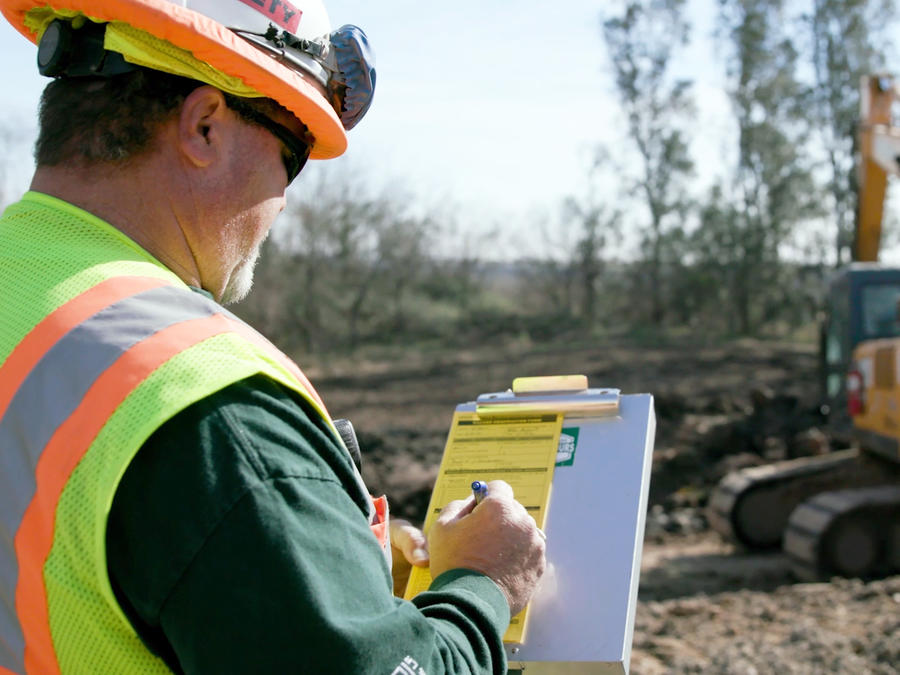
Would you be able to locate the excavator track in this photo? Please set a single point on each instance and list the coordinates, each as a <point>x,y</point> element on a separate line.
<point>752,506</point>
<point>853,533</point>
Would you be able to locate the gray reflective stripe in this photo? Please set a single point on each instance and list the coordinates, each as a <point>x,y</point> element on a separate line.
<point>12,648</point>
<point>47,397</point>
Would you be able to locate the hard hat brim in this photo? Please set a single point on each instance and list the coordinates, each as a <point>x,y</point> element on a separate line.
<point>215,44</point>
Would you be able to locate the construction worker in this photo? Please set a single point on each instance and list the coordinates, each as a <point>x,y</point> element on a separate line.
<point>173,494</point>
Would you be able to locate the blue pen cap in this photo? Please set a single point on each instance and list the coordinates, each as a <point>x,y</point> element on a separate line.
<point>479,490</point>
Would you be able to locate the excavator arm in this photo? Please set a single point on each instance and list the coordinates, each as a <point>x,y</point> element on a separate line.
<point>879,144</point>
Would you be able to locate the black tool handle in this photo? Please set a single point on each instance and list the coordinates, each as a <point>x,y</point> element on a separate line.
<point>348,435</point>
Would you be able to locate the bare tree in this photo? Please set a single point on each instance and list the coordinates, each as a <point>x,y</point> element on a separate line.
<point>341,265</point>
<point>596,223</point>
<point>641,41</point>
<point>771,190</point>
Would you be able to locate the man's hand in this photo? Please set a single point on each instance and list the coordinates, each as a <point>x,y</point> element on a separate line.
<point>497,538</point>
<point>408,547</point>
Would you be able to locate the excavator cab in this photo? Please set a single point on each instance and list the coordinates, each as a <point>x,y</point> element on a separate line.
<point>837,513</point>
<point>863,304</point>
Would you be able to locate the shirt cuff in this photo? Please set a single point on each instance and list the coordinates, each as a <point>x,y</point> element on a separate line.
<point>478,586</point>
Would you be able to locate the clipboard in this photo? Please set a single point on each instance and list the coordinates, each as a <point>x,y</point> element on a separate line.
<point>581,619</point>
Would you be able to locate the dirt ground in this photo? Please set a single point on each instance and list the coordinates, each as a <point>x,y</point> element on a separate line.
<point>703,607</point>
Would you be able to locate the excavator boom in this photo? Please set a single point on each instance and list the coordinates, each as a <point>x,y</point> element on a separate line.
<point>879,146</point>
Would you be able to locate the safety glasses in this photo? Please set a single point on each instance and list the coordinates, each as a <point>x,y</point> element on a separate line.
<point>298,149</point>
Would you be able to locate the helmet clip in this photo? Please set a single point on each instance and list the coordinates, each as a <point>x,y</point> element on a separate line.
<point>66,51</point>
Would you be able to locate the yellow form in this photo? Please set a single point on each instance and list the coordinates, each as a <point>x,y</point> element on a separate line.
<point>520,449</point>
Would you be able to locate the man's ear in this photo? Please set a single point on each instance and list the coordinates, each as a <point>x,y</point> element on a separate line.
<point>201,126</point>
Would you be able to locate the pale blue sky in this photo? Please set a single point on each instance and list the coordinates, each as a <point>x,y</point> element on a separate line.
<point>496,106</point>
<point>490,110</point>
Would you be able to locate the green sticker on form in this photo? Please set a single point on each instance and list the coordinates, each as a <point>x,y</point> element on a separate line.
<point>568,441</point>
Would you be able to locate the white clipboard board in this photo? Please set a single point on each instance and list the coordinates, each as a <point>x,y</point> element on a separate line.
<point>581,619</point>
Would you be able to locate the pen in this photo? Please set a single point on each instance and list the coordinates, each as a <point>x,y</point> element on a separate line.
<point>479,490</point>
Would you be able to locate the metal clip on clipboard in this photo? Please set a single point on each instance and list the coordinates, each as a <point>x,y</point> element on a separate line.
<point>567,394</point>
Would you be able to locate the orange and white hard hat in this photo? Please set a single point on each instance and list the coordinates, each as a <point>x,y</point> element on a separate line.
<point>280,49</point>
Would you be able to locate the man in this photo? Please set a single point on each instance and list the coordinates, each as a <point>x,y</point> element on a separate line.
<point>173,495</point>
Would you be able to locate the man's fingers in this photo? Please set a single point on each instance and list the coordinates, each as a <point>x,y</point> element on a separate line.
<point>455,510</point>
<point>500,488</point>
<point>410,540</point>
<point>498,538</point>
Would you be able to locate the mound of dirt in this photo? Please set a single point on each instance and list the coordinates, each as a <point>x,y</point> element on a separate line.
<point>718,408</point>
<point>705,608</point>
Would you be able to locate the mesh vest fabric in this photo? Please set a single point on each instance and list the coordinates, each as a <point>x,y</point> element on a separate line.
<point>52,253</point>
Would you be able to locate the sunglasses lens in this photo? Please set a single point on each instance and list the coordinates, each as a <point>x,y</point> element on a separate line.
<point>298,148</point>
<point>290,165</point>
<point>293,164</point>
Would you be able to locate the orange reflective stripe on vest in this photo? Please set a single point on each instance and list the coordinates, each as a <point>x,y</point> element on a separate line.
<point>43,336</point>
<point>61,455</point>
<point>380,521</point>
<point>257,338</point>
<point>109,340</point>
<point>17,457</point>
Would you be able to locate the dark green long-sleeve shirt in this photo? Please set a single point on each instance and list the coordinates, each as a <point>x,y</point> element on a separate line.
<point>238,543</point>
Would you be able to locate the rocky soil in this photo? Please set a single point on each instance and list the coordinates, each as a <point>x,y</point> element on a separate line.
<point>704,607</point>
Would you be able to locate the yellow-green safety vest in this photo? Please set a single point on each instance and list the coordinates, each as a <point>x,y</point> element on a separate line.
<point>99,345</point>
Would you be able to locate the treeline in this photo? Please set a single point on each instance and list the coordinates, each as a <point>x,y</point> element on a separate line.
<point>749,255</point>
<point>345,268</point>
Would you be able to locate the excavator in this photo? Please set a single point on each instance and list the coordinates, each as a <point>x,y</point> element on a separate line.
<point>838,514</point>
